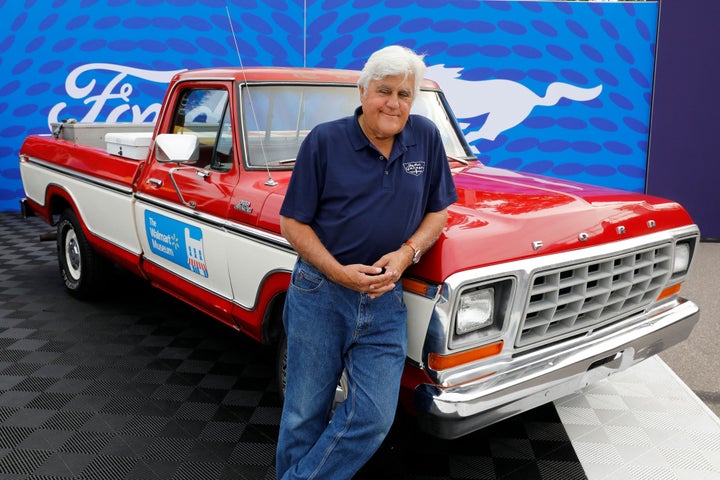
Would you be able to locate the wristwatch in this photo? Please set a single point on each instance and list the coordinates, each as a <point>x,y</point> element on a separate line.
<point>416,251</point>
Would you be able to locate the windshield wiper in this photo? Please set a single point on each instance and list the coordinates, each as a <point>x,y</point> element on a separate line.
<point>459,160</point>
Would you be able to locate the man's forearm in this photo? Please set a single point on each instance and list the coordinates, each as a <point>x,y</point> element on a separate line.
<point>307,244</point>
<point>429,230</point>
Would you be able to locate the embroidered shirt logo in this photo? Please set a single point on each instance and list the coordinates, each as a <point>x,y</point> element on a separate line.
<point>414,168</point>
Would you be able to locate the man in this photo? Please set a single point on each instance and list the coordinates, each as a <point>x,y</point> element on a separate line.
<point>369,194</point>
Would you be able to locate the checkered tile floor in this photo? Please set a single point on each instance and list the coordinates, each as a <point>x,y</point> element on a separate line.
<point>140,386</point>
<point>643,424</point>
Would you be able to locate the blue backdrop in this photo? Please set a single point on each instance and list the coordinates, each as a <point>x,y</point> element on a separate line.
<point>559,88</point>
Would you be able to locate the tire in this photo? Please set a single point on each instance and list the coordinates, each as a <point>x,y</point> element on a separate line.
<point>281,366</point>
<point>281,371</point>
<point>81,268</point>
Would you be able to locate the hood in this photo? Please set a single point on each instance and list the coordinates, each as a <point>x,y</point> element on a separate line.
<point>503,215</point>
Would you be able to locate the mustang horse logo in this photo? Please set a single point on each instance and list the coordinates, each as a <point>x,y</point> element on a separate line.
<point>505,102</point>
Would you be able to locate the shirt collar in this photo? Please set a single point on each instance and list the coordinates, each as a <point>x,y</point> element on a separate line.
<point>403,140</point>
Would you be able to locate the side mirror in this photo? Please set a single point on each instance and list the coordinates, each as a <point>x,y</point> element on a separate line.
<point>176,148</point>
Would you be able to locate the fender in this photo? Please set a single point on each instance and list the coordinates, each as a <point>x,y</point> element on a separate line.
<point>264,321</point>
<point>57,198</point>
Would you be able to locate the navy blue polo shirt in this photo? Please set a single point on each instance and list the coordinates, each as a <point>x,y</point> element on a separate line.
<point>359,203</point>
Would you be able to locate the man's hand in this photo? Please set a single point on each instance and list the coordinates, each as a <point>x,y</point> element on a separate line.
<point>366,279</point>
<point>379,278</point>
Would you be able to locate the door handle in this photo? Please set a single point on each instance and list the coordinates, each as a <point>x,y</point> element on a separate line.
<point>155,182</point>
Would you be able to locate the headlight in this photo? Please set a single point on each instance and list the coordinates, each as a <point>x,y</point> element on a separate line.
<point>681,262</point>
<point>480,313</point>
<point>475,311</point>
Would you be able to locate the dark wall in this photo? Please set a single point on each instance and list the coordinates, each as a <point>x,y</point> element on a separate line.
<point>684,152</point>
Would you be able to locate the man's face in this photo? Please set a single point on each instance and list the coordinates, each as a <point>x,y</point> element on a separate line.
<point>386,105</point>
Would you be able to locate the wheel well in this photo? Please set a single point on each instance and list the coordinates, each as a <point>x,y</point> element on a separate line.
<point>272,327</point>
<point>58,205</point>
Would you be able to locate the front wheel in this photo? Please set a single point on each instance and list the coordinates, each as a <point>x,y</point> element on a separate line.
<point>81,268</point>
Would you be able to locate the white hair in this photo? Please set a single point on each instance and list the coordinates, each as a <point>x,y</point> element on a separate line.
<point>393,60</point>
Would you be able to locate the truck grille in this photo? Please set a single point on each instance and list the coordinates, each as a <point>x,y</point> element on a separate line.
<point>574,299</point>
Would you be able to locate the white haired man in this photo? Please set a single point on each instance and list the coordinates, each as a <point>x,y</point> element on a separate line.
<point>368,194</point>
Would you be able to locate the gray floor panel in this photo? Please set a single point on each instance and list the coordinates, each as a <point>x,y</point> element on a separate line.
<point>643,423</point>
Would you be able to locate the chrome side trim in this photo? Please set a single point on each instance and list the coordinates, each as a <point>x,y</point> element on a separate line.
<point>116,187</point>
<point>256,234</point>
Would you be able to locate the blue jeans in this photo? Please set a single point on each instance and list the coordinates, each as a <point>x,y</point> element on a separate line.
<point>330,328</point>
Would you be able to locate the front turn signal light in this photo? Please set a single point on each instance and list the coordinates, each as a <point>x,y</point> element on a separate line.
<point>669,291</point>
<point>443,362</point>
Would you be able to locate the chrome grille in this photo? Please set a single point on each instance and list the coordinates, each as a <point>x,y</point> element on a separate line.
<point>577,298</point>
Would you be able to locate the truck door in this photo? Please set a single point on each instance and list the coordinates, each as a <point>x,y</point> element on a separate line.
<point>181,209</point>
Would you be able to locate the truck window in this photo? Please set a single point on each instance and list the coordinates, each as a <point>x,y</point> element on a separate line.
<point>278,117</point>
<point>205,113</point>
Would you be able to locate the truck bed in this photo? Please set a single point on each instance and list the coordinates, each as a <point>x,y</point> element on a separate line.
<point>93,134</point>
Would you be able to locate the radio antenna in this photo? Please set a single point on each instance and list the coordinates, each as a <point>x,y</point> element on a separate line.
<point>305,33</point>
<point>270,182</point>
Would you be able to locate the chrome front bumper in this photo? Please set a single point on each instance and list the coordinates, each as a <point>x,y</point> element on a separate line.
<point>454,412</point>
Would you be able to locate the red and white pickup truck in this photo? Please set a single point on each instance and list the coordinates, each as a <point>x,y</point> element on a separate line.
<point>536,287</point>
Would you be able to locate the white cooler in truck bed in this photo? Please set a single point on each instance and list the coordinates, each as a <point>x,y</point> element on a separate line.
<point>133,145</point>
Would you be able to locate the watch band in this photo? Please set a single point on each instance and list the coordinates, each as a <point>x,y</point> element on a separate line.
<point>416,251</point>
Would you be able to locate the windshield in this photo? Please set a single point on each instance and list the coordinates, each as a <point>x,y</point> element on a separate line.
<point>278,117</point>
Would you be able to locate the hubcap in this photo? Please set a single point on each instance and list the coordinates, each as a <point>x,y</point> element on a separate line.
<point>72,255</point>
